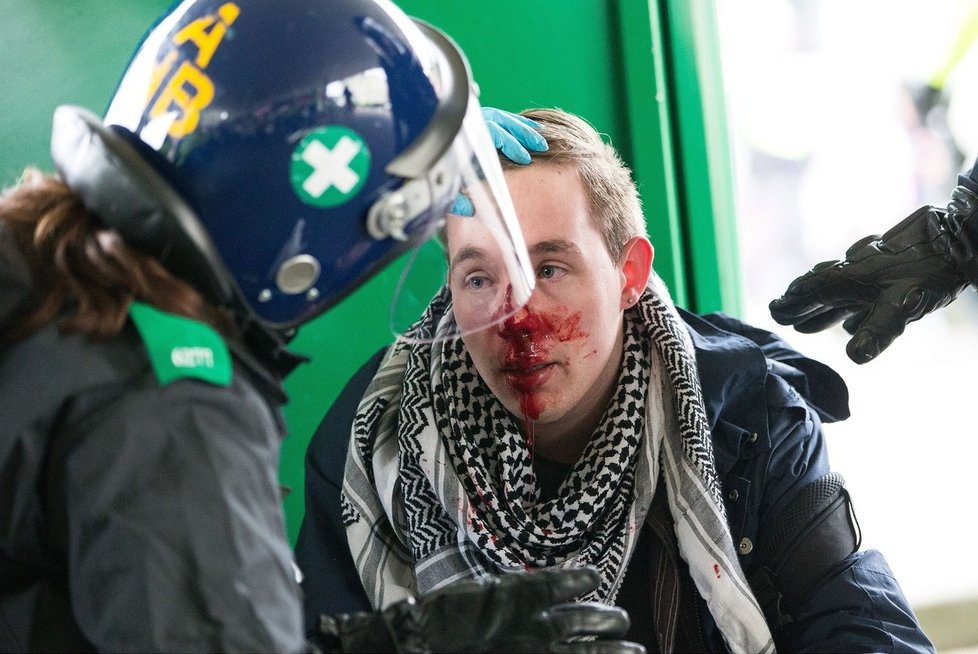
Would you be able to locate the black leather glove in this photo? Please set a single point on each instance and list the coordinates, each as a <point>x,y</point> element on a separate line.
<point>888,281</point>
<point>530,612</point>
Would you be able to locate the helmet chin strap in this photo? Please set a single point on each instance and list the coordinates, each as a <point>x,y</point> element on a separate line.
<point>117,185</point>
<point>127,195</point>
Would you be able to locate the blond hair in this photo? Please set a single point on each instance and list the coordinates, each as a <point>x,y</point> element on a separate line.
<point>612,195</point>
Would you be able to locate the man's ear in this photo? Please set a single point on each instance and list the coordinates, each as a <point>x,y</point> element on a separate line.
<point>636,266</point>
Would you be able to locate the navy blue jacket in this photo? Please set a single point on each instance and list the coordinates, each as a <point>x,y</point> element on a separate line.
<point>765,404</point>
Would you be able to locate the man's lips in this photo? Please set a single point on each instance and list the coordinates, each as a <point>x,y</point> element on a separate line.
<point>526,378</point>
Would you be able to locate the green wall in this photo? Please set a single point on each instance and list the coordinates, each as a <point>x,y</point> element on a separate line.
<point>644,72</point>
<point>59,52</point>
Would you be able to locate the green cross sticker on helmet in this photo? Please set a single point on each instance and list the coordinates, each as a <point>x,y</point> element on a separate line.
<point>329,166</point>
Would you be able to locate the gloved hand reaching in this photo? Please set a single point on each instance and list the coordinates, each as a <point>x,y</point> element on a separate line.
<point>888,281</point>
<point>513,135</point>
<point>531,612</point>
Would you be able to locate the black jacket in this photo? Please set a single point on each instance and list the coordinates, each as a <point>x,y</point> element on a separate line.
<point>136,516</point>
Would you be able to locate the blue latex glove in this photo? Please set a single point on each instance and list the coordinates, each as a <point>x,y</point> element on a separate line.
<point>513,135</point>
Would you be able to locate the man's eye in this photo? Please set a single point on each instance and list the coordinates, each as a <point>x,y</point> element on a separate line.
<point>476,282</point>
<point>550,272</point>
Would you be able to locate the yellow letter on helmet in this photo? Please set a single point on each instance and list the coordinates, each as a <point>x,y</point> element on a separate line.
<point>207,32</point>
<point>190,104</point>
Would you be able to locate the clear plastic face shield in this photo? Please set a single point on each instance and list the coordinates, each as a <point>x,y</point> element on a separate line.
<point>478,254</point>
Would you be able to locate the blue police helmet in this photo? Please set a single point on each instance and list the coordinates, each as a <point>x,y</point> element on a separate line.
<point>277,154</point>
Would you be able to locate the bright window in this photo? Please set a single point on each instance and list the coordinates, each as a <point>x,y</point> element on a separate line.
<point>829,149</point>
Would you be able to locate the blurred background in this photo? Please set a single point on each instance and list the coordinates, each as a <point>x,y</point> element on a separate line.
<point>765,136</point>
<point>844,118</point>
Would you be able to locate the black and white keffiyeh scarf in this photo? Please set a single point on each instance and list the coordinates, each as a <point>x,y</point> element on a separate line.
<point>439,483</point>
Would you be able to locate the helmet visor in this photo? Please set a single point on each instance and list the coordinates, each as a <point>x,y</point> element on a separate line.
<point>479,254</point>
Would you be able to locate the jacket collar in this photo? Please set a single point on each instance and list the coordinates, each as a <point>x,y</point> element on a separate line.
<point>734,361</point>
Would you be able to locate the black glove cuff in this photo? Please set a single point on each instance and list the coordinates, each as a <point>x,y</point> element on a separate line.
<point>403,620</point>
<point>328,638</point>
<point>357,632</point>
<point>962,222</point>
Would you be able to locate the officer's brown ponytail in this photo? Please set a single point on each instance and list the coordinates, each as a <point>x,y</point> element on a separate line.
<point>85,275</point>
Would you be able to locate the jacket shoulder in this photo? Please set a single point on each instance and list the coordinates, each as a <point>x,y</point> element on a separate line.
<point>331,441</point>
<point>735,357</point>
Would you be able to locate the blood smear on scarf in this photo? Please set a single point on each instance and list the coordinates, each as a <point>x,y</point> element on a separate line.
<point>529,405</point>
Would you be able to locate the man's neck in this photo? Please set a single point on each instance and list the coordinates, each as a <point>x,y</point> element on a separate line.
<point>563,440</point>
<point>561,446</point>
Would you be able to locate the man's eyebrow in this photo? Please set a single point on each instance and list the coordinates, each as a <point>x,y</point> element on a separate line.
<point>554,246</point>
<point>466,253</point>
